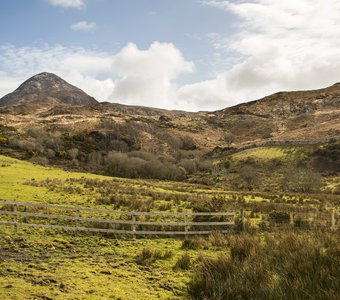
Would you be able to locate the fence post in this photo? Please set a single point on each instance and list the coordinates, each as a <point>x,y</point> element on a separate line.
<point>15,217</point>
<point>291,218</point>
<point>186,226</point>
<point>333,221</point>
<point>133,227</point>
<point>243,220</point>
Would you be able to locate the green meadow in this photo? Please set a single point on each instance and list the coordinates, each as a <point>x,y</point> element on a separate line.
<point>49,264</point>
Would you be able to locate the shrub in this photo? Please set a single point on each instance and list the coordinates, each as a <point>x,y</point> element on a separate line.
<point>302,180</point>
<point>40,160</point>
<point>249,177</point>
<point>229,138</point>
<point>190,165</point>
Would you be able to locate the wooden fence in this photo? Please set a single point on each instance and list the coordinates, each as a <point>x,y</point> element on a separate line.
<point>124,222</point>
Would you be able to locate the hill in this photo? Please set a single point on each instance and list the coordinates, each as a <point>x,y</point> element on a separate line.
<point>46,120</point>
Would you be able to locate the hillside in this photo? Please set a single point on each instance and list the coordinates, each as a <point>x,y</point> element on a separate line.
<point>48,121</point>
<point>49,264</point>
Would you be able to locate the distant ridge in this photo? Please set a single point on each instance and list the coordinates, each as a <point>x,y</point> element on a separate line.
<point>300,116</point>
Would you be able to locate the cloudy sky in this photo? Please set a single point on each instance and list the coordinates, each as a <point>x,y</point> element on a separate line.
<point>175,54</point>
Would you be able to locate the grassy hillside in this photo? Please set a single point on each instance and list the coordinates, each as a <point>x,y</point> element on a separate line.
<point>46,264</point>
<point>50,265</point>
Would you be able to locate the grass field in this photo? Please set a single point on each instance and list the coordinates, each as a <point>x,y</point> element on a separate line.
<point>50,265</point>
<point>46,264</point>
<point>265,153</point>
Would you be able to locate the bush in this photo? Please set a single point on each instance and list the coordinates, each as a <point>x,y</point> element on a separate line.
<point>302,180</point>
<point>188,143</point>
<point>123,165</point>
<point>40,160</point>
<point>249,177</point>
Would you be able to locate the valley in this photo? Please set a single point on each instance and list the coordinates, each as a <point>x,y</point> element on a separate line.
<point>274,163</point>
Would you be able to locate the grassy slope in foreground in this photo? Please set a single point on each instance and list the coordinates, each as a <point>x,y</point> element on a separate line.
<point>45,264</point>
<point>50,265</point>
<point>18,178</point>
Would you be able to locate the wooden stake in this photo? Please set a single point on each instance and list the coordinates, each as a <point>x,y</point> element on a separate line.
<point>133,224</point>
<point>291,218</point>
<point>243,220</point>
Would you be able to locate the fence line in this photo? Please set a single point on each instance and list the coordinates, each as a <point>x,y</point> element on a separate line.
<point>134,223</point>
<point>137,223</point>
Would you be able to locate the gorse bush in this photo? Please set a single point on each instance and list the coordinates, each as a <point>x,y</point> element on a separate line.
<point>295,266</point>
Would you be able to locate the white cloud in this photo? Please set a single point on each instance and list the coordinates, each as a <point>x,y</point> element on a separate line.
<point>83,26</point>
<point>281,45</point>
<point>140,77</point>
<point>146,76</point>
<point>68,3</point>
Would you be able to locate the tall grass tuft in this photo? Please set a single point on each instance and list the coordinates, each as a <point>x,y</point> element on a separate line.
<point>183,262</point>
<point>294,266</point>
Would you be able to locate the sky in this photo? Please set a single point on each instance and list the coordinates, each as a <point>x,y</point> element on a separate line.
<point>175,54</point>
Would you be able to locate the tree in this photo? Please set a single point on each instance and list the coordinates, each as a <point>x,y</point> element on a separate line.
<point>248,177</point>
<point>73,153</point>
<point>302,180</point>
<point>190,165</point>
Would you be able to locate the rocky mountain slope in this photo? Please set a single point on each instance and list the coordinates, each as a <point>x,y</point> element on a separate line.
<point>47,101</point>
<point>45,89</point>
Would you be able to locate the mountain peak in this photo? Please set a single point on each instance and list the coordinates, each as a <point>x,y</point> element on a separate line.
<point>43,81</point>
<point>46,87</point>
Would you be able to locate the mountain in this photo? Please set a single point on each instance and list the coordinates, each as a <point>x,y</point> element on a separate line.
<point>46,89</point>
<point>288,104</point>
<point>48,101</point>
<point>312,115</point>
<point>51,122</point>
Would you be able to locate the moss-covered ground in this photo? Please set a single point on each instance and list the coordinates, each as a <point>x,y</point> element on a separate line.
<point>47,264</point>
<point>50,265</point>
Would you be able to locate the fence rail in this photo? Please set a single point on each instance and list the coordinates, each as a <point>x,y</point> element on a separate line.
<point>15,210</point>
<point>71,218</point>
